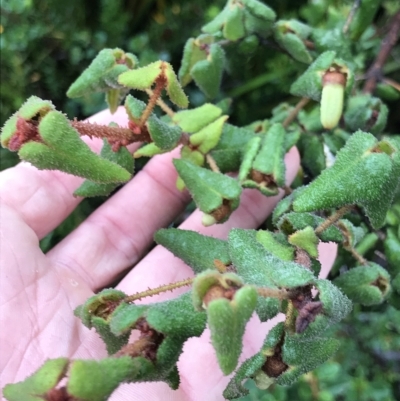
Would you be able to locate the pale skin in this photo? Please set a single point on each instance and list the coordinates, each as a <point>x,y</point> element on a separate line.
<point>38,292</point>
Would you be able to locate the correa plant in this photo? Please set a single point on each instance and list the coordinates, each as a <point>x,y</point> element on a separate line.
<point>351,172</point>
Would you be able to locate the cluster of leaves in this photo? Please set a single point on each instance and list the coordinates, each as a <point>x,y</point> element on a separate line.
<point>353,166</point>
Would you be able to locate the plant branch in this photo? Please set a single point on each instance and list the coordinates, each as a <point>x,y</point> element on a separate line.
<point>392,83</point>
<point>333,219</point>
<point>212,163</point>
<point>356,255</point>
<point>111,133</point>
<point>165,108</point>
<point>273,293</point>
<point>374,73</point>
<point>293,114</point>
<point>154,97</point>
<point>158,290</point>
<point>351,15</point>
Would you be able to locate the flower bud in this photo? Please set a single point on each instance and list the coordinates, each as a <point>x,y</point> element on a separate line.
<point>332,98</point>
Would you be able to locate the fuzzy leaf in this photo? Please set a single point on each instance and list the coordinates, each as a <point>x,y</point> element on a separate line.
<point>64,150</point>
<point>251,368</point>
<point>366,113</point>
<point>365,173</point>
<point>194,51</point>
<point>33,107</point>
<point>122,157</point>
<point>196,250</point>
<point>227,320</point>
<point>270,158</point>
<point>291,222</point>
<point>177,318</point>
<point>194,120</point>
<point>208,189</point>
<point>304,356</point>
<point>255,265</point>
<point>312,153</point>
<point>148,150</point>
<point>125,316</point>
<point>102,74</point>
<point>277,248</point>
<point>353,235</point>
<point>368,284</point>
<point>305,239</point>
<point>310,83</point>
<point>392,251</point>
<point>142,78</point>
<point>208,73</point>
<point>290,35</point>
<point>208,137</point>
<point>96,380</point>
<point>36,386</point>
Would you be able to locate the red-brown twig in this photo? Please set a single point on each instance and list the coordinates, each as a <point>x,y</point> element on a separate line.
<point>374,73</point>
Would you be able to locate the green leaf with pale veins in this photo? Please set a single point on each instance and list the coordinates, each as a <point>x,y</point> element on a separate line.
<point>196,250</point>
<point>62,149</point>
<point>122,157</point>
<point>366,173</point>
<point>194,120</point>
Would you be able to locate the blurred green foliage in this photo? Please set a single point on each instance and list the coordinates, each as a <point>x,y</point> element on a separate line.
<point>46,44</point>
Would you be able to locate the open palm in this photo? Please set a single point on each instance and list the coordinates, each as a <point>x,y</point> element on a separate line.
<point>39,292</point>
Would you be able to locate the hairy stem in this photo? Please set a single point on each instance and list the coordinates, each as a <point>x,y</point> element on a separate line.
<point>333,219</point>
<point>293,114</point>
<point>165,108</point>
<point>290,318</point>
<point>374,73</point>
<point>356,255</point>
<point>154,97</point>
<point>158,290</point>
<point>272,293</point>
<point>111,133</point>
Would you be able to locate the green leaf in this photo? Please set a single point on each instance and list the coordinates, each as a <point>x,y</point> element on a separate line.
<point>209,189</point>
<point>174,89</point>
<point>255,265</point>
<point>148,150</point>
<point>208,73</point>
<point>312,153</point>
<point>305,239</point>
<point>392,250</point>
<point>125,317</point>
<point>304,356</point>
<point>277,248</point>
<point>36,386</point>
<point>289,223</point>
<point>363,18</point>
<point>32,108</point>
<point>363,174</point>
<point>194,120</point>
<point>234,25</point>
<point>227,320</point>
<point>252,367</point>
<point>96,380</point>
<point>367,284</point>
<point>102,74</point>
<point>208,137</point>
<point>194,51</point>
<point>353,235</point>
<point>366,113</point>
<point>122,157</point>
<point>142,78</point>
<point>310,83</point>
<point>290,34</point>
<point>62,149</point>
<point>196,250</point>
<point>270,158</point>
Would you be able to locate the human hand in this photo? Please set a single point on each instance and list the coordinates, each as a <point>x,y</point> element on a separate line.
<point>39,292</point>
